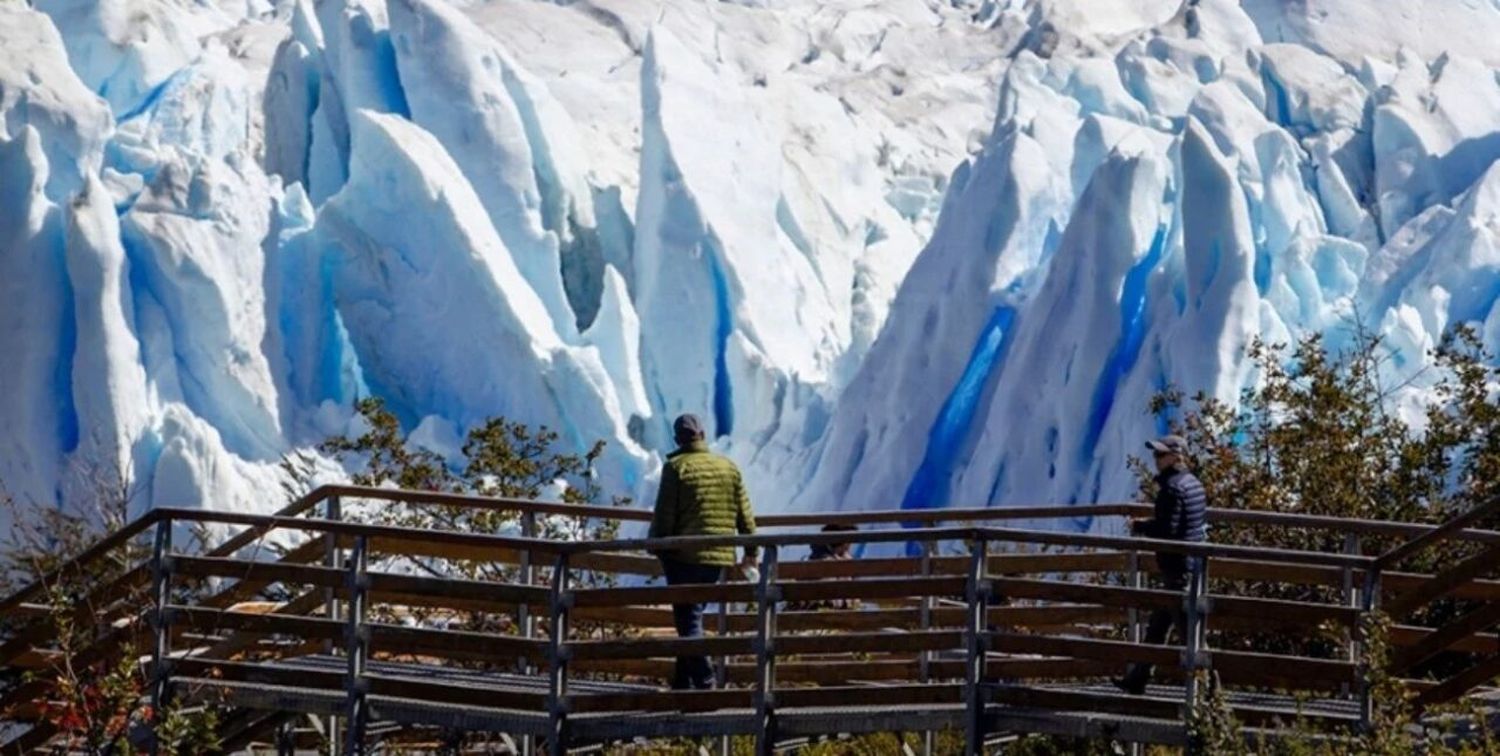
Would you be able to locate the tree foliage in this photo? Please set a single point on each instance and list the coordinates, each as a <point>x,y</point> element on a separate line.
<point>1319,433</point>
<point>498,458</point>
<point>1323,431</point>
<point>91,690</point>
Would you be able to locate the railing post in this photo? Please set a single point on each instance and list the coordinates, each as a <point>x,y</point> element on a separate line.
<point>524,620</point>
<point>286,743</point>
<point>1351,598</point>
<point>1134,632</point>
<point>1133,579</point>
<point>924,658</point>
<point>977,594</point>
<point>721,669</point>
<point>1369,604</point>
<point>1195,606</point>
<point>557,680</point>
<point>161,596</point>
<point>333,510</point>
<point>356,648</point>
<point>766,595</point>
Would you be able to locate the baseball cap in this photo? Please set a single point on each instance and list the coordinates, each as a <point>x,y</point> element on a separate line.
<point>1169,444</point>
<point>687,427</point>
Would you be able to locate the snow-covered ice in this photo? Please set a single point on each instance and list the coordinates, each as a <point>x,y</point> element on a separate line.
<point>894,252</point>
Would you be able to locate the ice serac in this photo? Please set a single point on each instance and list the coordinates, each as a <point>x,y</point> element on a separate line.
<point>1442,270</point>
<point>308,349</point>
<point>194,241</point>
<point>38,90</point>
<point>1349,31</point>
<point>1057,404</point>
<point>357,70</point>
<point>711,259</point>
<point>616,332</point>
<point>1434,134</point>
<point>413,251</point>
<point>109,388</point>
<point>36,328</point>
<point>191,468</point>
<point>291,96</point>
<point>1215,289</point>
<point>1309,93</point>
<point>200,115</point>
<point>994,228</point>
<point>358,53</point>
<point>52,134</point>
<point>562,164</point>
<point>456,76</point>
<point>125,50</point>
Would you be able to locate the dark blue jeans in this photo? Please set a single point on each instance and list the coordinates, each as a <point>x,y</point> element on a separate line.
<point>693,672</point>
<point>1158,627</point>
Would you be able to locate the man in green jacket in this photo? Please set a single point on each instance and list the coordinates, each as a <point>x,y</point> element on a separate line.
<point>701,493</point>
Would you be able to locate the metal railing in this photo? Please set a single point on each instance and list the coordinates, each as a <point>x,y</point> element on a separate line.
<point>948,681</point>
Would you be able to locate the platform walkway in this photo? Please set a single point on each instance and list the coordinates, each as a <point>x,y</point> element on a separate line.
<point>309,625</point>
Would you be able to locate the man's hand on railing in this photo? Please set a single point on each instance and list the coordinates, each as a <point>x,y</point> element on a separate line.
<point>747,567</point>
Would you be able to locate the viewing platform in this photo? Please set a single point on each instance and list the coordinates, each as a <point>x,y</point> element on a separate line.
<point>309,626</point>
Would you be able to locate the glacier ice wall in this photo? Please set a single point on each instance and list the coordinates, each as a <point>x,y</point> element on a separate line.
<point>897,253</point>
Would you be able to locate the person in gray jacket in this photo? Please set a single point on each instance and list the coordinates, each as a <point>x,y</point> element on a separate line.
<point>1181,515</point>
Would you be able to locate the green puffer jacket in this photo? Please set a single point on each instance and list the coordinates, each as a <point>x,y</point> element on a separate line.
<point>702,493</point>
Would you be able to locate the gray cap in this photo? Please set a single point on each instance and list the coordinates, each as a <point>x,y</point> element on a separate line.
<point>1169,444</point>
<point>687,427</point>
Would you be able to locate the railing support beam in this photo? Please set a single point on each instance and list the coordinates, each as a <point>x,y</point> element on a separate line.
<point>721,666</point>
<point>333,510</point>
<point>1369,604</point>
<point>524,621</point>
<point>161,597</point>
<point>1351,596</point>
<point>1195,606</point>
<point>924,661</point>
<point>557,678</point>
<point>286,742</point>
<point>766,597</point>
<point>977,594</point>
<point>1133,579</point>
<point>356,648</point>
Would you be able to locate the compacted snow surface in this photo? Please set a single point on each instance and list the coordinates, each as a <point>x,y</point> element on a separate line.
<point>914,253</point>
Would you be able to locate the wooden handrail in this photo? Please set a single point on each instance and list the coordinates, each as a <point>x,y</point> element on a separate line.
<point>886,516</point>
<point>1446,582</point>
<point>1336,524</point>
<point>346,528</point>
<point>135,527</point>
<point>641,514</point>
<point>1240,662</point>
<point>1453,526</point>
<point>678,543</point>
<point>1422,535</point>
<point>331,577</point>
<point>1042,537</point>
<point>91,554</point>
<point>994,535</point>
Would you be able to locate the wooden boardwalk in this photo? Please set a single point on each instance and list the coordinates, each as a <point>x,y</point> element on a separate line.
<point>989,631</point>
